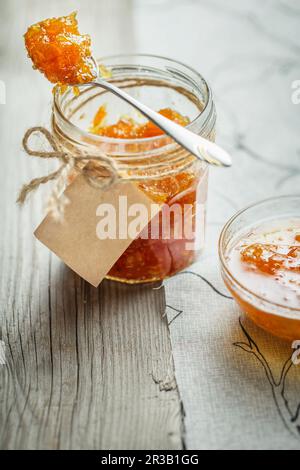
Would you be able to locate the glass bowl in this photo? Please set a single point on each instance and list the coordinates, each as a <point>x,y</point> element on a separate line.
<point>279,319</point>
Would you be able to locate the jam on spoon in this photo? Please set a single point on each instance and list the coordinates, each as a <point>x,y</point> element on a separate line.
<point>59,51</point>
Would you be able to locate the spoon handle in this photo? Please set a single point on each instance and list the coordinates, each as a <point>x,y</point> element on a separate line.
<point>203,149</point>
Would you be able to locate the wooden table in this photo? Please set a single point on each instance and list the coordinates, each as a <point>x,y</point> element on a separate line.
<point>93,368</point>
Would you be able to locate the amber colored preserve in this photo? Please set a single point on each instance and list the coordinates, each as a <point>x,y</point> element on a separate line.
<point>148,259</point>
<point>172,177</point>
<point>58,50</point>
<point>127,128</point>
<point>264,267</point>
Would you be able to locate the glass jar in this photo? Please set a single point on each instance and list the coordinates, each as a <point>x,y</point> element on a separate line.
<point>166,172</point>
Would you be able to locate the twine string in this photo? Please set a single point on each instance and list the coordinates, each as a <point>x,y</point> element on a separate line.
<point>99,170</point>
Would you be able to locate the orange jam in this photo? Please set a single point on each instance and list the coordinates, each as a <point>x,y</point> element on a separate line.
<point>267,263</point>
<point>148,259</point>
<point>58,50</point>
<point>128,128</point>
<point>273,259</point>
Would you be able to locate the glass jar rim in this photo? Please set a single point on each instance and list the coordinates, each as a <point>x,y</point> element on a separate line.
<point>201,119</point>
<point>284,309</point>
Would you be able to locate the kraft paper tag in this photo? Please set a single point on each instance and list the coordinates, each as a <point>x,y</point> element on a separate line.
<point>75,239</point>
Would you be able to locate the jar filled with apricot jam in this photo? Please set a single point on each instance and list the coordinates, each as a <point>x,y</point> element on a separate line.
<point>91,119</point>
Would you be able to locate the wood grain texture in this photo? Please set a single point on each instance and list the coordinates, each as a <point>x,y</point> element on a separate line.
<point>85,368</point>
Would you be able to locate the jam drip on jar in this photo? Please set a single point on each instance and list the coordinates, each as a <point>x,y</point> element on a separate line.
<point>58,50</point>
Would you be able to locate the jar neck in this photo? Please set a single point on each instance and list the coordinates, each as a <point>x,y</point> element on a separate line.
<point>179,79</point>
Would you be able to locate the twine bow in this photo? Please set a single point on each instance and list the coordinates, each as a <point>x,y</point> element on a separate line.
<point>99,170</point>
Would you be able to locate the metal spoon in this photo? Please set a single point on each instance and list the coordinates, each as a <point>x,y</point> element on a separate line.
<point>203,149</point>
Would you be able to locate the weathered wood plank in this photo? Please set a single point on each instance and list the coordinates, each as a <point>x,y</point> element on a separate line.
<point>85,368</point>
